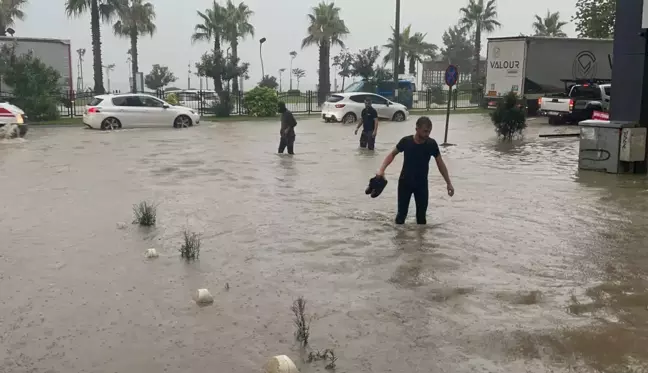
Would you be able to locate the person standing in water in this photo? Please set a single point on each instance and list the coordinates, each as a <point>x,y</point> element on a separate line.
<point>287,131</point>
<point>369,124</point>
<point>417,149</point>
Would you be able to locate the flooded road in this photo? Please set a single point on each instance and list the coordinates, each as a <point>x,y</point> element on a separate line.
<point>530,267</point>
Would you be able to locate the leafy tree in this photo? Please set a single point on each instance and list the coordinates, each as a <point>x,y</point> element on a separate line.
<point>595,18</point>
<point>233,69</point>
<point>417,49</point>
<point>344,62</point>
<point>269,81</point>
<point>237,26</point>
<point>457,49</point>
<point>404,38</point>
<point>99,10</point>
<point>326,29</point>
<point>35,86</point>
<point>212,29</point>
<point>159,77</point>
<point>479,16</point>
<point>299,74</point>
<point>550,25</point>
<point>134,19</point>
<point>10,10</point>
<point>382,73</point>
<point>364,62</point>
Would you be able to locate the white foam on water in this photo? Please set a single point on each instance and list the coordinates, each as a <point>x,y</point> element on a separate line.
<point>9,131</point>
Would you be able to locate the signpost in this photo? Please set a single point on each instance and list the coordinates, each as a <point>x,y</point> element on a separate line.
<point>451,77</point>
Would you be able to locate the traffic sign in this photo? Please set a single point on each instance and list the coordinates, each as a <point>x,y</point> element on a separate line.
<point>451,75</point>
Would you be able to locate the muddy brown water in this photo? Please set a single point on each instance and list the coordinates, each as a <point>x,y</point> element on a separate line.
<point>531,267</point>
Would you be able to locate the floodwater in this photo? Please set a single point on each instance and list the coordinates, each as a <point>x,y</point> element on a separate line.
<point>530,267</point>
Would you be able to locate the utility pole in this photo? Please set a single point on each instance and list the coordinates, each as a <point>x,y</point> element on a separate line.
<point>189,75</point>
<point>108,69</point>
<point>81,52</point>
<point>281,78</point>
<point>396,47</point>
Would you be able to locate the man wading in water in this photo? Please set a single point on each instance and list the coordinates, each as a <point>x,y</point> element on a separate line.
<point>369,123</point>
<point>417,149</point>
<point>287,130</point>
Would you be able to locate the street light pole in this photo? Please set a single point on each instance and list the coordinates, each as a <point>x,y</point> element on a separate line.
<point>263,40</point>
<point>396,47</point>
<point>281,78</point>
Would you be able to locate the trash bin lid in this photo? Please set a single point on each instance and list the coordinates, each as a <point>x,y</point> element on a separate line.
<point>607,123</point>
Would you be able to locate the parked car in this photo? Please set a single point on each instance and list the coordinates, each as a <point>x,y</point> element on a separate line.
<point>11,115</point>
<point>347,107</point>
<point>114,111</point>
<point>578,103</point>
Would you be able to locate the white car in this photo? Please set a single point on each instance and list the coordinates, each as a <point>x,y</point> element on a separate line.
<point>347,107</point>
<point>131,110</point>
<point>10,116</point>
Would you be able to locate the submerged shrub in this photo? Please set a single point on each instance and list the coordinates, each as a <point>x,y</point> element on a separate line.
<point>509,118</point>
<point>145,214</point>
<point>190,249</point>
<point>261,102</point>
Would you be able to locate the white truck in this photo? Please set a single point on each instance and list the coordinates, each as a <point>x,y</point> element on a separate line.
<point>534,66</point>
<point>579,102</point>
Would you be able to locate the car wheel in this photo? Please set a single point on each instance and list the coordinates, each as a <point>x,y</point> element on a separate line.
<point>399,116</point>
<point>110,124</point>
<point>349,118</point>
<point>182,121</point>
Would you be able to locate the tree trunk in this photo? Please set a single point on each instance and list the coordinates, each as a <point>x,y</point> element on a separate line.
<point>343,83</point>
<point>412,66</point>
<point>218,69</point>
<point>235,86</point>
<point>476,61</point>
<point>401,63</point>
<point>324,71</point>
<point>3,30</point>
<point>134,59</point>
<point>96,48</point>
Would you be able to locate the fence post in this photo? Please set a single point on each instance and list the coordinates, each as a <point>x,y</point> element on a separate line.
<point>455,98</point>
<point>428,99</point>
<point>310,101</point>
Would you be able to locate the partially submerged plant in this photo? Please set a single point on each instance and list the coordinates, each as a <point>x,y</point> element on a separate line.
<point>145,214</point>
<point>509,117</point>
<point>328,355</point>
<point>190,249</point>
<point>303,327</point>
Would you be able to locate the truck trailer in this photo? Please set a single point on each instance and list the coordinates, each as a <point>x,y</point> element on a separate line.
<point>535,66</point>
<point>56,53</point>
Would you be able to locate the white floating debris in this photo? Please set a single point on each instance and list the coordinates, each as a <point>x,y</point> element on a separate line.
<point>203,296</point>
<point>151,253</point>
<point>121,225</point>
<point>280,364</point>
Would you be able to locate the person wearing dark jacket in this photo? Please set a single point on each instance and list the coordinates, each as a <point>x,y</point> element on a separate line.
<point>287,131</point>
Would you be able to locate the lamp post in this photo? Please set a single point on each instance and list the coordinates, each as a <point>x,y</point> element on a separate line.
<point>226,62</point>
<point>261,41</point>
<point>281,71</point>
<point>396,47</point>
<point>81,52</point>
<point>293,54</point>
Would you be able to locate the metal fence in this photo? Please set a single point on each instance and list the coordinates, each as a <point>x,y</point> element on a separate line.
<point>73,104</point>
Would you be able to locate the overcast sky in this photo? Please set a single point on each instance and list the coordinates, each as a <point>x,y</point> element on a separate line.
<point>282,22</point>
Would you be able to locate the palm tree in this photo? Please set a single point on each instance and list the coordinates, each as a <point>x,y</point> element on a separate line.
<point>135,19</point>
<point>325,30</point>
<point>293,55</point>
<point>212,29</point>
<point>479,18</point>
<point>417,49</point>
<point>403,46</point>
<point>10,10</point>
<point>99,10</point>
<point>299,74</point>
<point>551,25</point>
<point>237,26</point>
<point>457,49</point>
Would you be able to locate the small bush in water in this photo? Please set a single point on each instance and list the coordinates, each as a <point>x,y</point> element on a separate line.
<point>261,102</point>
<point>302,333</point>
<point>190,248</point>
<point>509,118</point>
<point>145,214</point>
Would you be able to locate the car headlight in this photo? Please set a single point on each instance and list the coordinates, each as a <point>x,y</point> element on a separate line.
<point>20,119</point>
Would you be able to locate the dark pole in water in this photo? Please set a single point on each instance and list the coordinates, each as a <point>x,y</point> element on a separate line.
<point>445,136</point>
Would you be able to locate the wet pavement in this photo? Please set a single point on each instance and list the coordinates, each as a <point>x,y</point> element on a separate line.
<point>530,267</point>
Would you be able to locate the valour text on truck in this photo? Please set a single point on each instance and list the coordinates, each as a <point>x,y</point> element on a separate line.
<point>534,67</point>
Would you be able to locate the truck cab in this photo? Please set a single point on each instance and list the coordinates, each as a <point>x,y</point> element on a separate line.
<point>578,103</point>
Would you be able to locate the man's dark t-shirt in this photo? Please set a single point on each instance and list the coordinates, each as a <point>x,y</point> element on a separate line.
<point>416,164</point>
<point>369,115</point>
